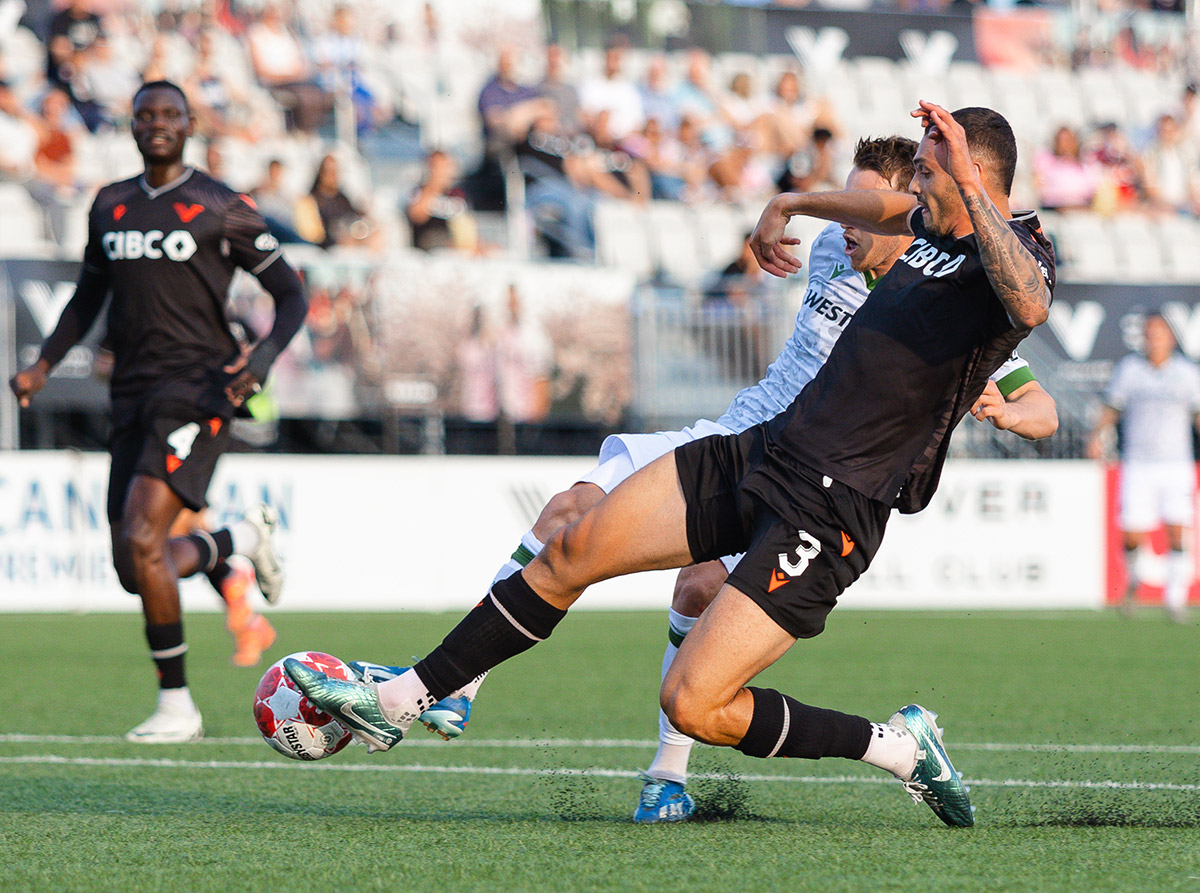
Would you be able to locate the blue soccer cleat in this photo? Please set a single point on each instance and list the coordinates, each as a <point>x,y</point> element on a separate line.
<point>354,704</point>
<point>448,717</point>
<point>934,782</point>
<point>663,801</point>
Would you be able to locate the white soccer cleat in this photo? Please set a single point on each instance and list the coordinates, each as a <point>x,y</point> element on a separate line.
<point>171,723</point>
<point>268,567</point>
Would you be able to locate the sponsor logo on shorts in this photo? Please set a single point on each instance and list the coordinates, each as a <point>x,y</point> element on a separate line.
<point>847,545</point>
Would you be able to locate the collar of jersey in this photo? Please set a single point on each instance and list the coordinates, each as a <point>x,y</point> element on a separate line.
<point>153,192</point>
<point>870,280</point>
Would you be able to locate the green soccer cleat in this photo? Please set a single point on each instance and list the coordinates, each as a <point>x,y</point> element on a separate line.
<point>934,782</point>
<point>353,704</point>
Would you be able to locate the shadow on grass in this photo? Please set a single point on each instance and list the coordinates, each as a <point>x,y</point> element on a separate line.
<point>1098,809</point>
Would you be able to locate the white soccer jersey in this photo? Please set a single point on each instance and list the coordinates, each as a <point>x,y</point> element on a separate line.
<point>1157,406</point>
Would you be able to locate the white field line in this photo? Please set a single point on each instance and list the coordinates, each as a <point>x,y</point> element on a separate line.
<point>108,762</point>
<point>608,743</point>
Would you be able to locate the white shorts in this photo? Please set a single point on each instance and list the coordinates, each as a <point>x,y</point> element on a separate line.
<point>623,454</point>
<point>1154,493</point>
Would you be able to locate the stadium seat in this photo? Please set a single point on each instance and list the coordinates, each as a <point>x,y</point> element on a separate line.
<point>1087,250</point>
<point>1140,246</point>
<point>621,238</point>
<point>1179,237</point>
<point>674,242</point>
<point>22,222</point>
<point>719,234</point>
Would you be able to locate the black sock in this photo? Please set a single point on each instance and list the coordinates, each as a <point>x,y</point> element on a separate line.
<point>217,575</point>
<point>783,727</point>
<point>167,649</point>
<point>512,618</point>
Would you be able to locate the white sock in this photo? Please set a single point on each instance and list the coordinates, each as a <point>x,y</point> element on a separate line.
<point>403,699</point>
<point>674,748</point>
<point>1132,560</point>
<point>245,537</point>
<point>529,549</point>
<point>177,700</point>
<point>892,748</point>
<point>471,689</point>
<point>1179,579</point>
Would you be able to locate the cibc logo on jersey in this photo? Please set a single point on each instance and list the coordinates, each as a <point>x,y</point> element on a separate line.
<point>130,244</point>
<point>930,259</point>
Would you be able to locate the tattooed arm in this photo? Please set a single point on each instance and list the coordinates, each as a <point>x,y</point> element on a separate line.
<point>1011,269</point>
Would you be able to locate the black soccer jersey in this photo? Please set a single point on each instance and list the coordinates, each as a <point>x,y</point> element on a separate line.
<point>169,255</point>
<point>879,413</point>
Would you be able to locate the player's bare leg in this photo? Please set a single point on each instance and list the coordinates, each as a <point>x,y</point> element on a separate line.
<point>706,696</point>
<point>146,565</point>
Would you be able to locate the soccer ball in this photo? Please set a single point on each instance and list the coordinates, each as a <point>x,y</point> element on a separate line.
<point>289,721</point>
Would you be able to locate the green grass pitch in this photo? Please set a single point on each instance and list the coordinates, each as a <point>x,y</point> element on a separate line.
<point>1080,735</point>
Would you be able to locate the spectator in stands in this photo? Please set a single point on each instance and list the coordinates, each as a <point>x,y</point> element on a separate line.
<point>744,110</point>
<point>560,186</point>
<point>793,117</point>
<point>1189,114</point>
<point>72,30</point>
<point>730,300</point>
<point>54,183</point>
<point>276,204</point>
<point>1064,180</point>
<point>106,80</point>
<point>336,53</point>
<point>813,169</point>
<point>475,372</point>
<point>556,87</point>
<point>616,172</point>
<point>281,66</point>
<point>1172,169</point>
<point>327,217</point>
<point>658,100</point>
<point>741,173</point>
<point>613,95</point>
<point>675,175</point>
<point>696,98</point>
<point>437,210</point>
<point>1121,188</point>
<point>217,100</point>
<point>18,136</point>
<point>524,357</point>
<point>739,281</point>
<point>508,110</point>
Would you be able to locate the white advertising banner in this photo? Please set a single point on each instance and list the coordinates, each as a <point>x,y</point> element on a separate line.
<point>428,534</point>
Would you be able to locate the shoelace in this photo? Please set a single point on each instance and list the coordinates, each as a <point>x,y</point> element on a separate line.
<point>651,793</point>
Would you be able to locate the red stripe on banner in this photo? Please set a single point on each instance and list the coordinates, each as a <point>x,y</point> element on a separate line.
<point>1116,576</point>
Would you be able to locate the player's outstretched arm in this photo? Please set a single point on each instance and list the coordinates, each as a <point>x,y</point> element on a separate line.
<point>1028,412</point>
<point>1011,269</point>
<point>874,210</point>
<point>77,317</point>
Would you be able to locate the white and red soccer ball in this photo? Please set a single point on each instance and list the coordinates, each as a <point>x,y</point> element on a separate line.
<point>289,721</point>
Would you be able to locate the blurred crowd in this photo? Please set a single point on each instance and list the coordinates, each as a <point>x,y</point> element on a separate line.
<point>1109,170</point>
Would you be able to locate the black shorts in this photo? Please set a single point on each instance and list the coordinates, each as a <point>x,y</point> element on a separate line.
<point>172,442</point>
<point>806,536</point>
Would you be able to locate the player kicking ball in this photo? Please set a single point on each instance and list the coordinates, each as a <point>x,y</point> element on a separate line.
<point>806,495</point>
<point>844,265</point>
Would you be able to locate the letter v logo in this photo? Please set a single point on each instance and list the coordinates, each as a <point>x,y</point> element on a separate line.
<point>1185,322</point>
<point>45,301</point>
<point>1076,328</point>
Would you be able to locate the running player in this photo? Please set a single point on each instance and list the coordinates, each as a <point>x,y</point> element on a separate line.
<point>807,494</point>
<point>1156,399</point>
<point>844,263</point>
<point>166,245</point>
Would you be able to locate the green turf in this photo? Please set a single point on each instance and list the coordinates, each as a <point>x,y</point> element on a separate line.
<point>204,819</point>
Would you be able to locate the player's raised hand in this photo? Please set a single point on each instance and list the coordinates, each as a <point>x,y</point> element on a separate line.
<point>243,384</point>
<point>952,152</point>
<point>28,382</point>
<point>767,243</point>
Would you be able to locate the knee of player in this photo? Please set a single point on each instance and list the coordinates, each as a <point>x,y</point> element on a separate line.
<point>143,541</point>
<point>566,508</point>
<point>125,576</point>
<point>689,714</point>
<point>695,589</point>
